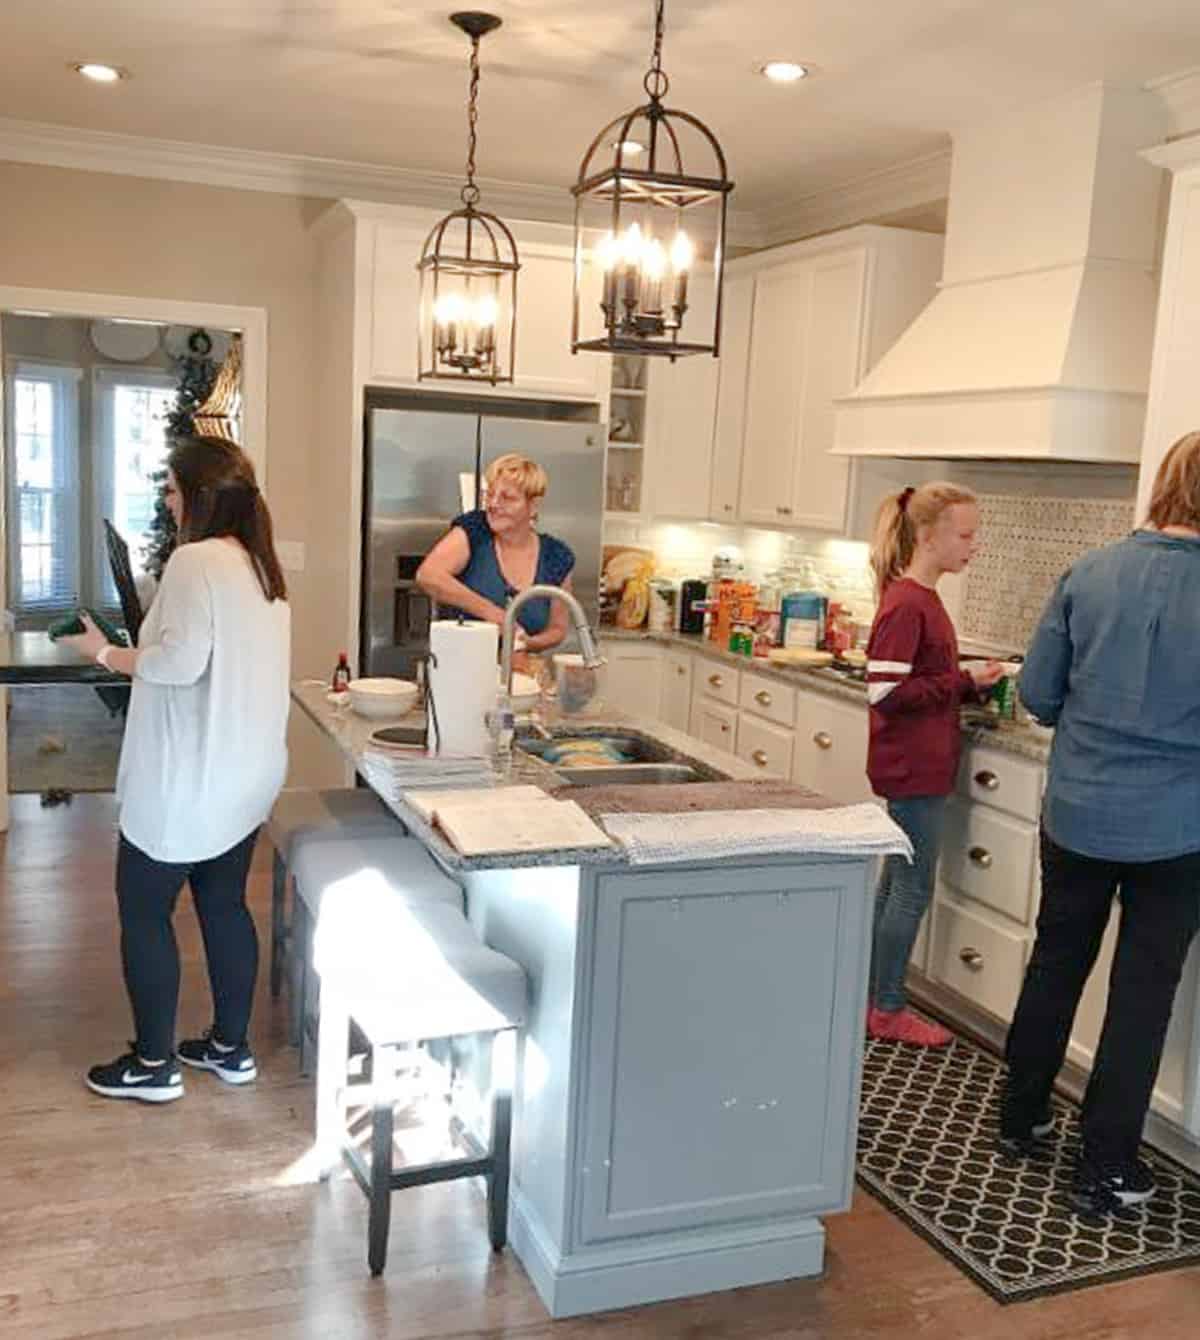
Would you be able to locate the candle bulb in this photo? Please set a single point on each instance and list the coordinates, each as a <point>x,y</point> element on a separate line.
<point>682,255</point>
<point>631,248</point>
<point>447,312</point>
<point>654,264</point>
<point>607,253</point>
<point>485,326</point>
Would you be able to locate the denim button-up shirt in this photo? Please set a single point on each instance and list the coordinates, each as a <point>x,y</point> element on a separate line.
<point>1115,667</point>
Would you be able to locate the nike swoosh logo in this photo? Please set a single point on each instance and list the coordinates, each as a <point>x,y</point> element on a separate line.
<point>130,1078</point>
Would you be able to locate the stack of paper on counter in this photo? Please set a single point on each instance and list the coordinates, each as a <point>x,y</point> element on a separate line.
<point>480,822</point>
<point>393,773</point>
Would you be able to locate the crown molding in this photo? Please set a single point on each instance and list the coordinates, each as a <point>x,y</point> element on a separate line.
<point>292,174</point>
<point>1180,95</point>
<point>920,181</point>
<point>1176,155</point>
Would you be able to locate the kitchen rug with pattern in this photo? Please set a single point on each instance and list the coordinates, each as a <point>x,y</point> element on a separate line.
<point>927,1150</point>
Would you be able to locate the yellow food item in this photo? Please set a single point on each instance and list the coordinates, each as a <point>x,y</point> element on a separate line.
<point>623,566</point>
<point>635,600</point>
<point>800,656</point>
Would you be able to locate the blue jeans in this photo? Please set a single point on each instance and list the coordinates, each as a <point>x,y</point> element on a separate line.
<point>903,895</point>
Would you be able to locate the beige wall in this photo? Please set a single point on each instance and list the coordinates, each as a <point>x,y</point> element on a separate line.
<point>103,233</point>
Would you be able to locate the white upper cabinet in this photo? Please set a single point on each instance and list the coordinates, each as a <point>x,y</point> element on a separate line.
<point>682,409</point>
<point>737,311</point>
<point>388,289</point>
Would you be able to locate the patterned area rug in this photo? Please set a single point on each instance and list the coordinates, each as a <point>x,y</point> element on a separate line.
<point>62,736</point>
<point>927,1150</point>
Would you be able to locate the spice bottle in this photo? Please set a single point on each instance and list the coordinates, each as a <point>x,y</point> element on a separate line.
<point>341,674</point>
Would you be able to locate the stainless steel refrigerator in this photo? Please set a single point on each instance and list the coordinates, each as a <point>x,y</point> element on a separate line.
<point>421,468</point>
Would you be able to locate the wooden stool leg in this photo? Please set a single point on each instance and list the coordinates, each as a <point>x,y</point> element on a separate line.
<point>501,1140</point>
<point>383,1065</point>
<point>279,929</point>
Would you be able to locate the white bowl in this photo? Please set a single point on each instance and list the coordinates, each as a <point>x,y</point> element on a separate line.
<point>382,697</point>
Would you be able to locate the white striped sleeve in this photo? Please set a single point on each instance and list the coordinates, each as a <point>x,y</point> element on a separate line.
<point>883,676</point>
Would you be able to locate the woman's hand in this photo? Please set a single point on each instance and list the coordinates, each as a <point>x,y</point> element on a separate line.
<point>90,642</point>
<point>985,673</point>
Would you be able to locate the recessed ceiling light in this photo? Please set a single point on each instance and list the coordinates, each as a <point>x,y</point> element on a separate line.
<point>630,146</point>
<point>101,74</point>
<point>784,71</point>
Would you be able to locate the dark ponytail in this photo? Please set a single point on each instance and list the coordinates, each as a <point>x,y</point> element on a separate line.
<point>220,496</point>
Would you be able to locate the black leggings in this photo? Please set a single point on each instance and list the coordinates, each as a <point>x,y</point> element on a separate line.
<point>146,894</point>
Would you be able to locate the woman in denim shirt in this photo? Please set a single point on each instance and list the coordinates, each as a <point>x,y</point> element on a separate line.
<point>1113,667</point>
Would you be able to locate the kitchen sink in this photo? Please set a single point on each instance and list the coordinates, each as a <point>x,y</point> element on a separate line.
<point>640,760</point>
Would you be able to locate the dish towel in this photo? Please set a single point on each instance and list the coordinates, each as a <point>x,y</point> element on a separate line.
<point>849,830</point>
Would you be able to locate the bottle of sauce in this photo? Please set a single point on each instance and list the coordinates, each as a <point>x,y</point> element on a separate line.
<point>341,674</point>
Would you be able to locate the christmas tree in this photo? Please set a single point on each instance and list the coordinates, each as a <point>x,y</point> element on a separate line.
<point>196,371</point>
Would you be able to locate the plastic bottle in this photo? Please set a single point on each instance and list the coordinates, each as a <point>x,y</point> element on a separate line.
<point>341,674</point>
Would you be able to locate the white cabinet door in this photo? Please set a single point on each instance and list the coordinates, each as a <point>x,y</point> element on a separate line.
<point>736,315</point>
<point>832,359</point>
<point>714,723</point>
<point>630,679</point>
<point>683,406</point>
<point>830,753</point>
<point>544,361</point>
<point>778,354</point>
<point>394,297</point>
<point>675,706</point>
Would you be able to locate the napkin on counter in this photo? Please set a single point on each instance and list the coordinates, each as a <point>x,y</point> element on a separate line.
<point>848,830</point>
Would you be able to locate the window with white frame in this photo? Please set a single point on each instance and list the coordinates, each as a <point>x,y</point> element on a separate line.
<point>130,410</point>
<point>43,487</point>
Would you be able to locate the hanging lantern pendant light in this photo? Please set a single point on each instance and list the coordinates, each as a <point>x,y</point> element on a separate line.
<point>645,252</point>
<point>467,314</point>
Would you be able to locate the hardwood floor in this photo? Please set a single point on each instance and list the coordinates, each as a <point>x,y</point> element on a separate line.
<point>197,1219</point>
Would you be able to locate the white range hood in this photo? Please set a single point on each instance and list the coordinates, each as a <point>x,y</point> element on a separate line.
<point>1037,345</point>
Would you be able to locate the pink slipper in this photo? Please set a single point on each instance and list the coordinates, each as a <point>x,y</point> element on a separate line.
<point>905,1026</point>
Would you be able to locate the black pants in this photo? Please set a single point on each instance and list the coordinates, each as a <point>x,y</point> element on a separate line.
<point>147,891</point>
<point>1160,912</point>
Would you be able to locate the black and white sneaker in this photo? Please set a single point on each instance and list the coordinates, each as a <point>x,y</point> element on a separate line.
<point>235,1066</point>
<point>1023,1143</point>
<point>1097,1189</point>
<point>130,1077</point>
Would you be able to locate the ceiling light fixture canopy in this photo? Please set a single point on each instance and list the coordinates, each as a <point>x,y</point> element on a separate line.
<point>99,72</point>
<point>644,251</point>
<point>467,313</point>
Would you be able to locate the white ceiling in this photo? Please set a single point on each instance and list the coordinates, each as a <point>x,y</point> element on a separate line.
<point>384,81</point>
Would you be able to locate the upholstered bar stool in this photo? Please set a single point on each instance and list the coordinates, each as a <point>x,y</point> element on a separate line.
<point>327,864</point>
<point>421,977</point>
<point>313,814</point>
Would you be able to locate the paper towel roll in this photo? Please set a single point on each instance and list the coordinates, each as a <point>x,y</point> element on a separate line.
<point>463,680</point>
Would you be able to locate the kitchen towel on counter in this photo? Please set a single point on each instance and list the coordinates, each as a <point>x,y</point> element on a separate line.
<point>848,830</point>
<point>679,798</point>
<point>463,681</point>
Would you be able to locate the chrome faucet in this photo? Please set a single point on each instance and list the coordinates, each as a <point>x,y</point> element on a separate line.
<point>587,642</point>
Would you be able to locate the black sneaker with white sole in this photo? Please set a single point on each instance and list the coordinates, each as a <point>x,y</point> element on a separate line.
<point>1102,1188</point>
<point>130,1077</point>
<point>1022,1143</point>
<point>234,1066</point>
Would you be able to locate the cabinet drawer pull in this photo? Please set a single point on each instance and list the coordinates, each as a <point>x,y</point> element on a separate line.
<point>981,857</point>
<point>971,958</point>
<point>681,669</point>
<point>716,681</point>
<point>763,697</point>
<point>760,757</point>
<point>988,780</point>
<point>784,511</point>
<point>724,728</point>
<point>728,507</point>
<point>823,740</point>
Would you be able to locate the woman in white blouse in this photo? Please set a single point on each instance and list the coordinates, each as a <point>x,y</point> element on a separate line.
<point>203,759</point>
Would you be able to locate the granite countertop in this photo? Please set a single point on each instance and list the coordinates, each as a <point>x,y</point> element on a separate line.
<point>1026,741</point>
<point>351,734</point>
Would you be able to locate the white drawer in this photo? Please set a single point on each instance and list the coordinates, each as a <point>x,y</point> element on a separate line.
<point>714,723</point>
<point>1008,783</point>
<point>768,698</point>
<point>989,857</point>
<point>979,960</point>
<point>716,680</point>
<point>765,747</point>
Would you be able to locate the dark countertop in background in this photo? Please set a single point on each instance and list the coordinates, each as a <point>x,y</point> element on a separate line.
<point>32,659</point>
<point>1026,741</point>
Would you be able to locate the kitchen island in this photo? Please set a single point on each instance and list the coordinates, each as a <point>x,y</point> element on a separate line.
<point>687,1095</point>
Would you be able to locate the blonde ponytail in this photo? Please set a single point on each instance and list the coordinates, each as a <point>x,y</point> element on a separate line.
<point>894,540</point>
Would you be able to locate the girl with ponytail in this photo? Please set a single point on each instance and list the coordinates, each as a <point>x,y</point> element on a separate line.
<point>914,689</point>
<point>203,758</point>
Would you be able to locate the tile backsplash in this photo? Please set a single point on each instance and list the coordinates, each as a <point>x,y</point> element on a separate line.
<point>1027,543</point>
